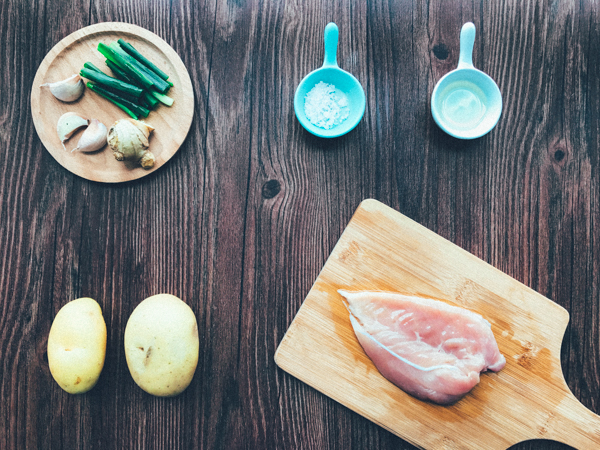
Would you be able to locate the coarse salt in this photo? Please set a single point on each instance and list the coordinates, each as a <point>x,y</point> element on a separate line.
<point>324,107</point>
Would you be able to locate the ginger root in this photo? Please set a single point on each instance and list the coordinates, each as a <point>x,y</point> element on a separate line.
<point>128,139</point>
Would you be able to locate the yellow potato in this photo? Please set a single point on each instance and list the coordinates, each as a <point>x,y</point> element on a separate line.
<point>161,345</point>
<point>77,345</point>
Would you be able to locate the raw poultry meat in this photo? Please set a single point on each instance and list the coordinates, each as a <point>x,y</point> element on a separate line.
<point>428,348</point>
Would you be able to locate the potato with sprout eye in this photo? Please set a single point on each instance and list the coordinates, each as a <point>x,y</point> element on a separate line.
<point>161,345</point>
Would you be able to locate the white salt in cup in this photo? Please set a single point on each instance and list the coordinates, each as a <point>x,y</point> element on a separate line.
<point>347,87</point>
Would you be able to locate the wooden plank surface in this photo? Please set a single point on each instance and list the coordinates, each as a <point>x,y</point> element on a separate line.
<point>241,220</point>
<point>382,250</point>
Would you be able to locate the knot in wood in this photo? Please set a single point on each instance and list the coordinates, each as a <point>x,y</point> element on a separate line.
<point>270,189</point>
<point>441,52</point>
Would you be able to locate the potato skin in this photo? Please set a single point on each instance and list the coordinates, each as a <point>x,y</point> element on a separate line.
<point>161,345</point>
<point>77,345</point>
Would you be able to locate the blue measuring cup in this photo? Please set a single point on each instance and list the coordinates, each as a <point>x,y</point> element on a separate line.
<point>346,85</point>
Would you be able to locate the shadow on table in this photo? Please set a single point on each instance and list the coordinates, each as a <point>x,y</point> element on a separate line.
<point>315,143</point>
<point>450,143</point>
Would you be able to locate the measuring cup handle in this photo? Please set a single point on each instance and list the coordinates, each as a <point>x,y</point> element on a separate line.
<point>331,42</point>
<point>467,40</point>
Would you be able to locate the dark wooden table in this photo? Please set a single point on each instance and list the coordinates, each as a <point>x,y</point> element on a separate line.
<point>239,223</point>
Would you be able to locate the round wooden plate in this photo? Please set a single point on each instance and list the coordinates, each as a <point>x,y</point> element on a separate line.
<point>67,58</point>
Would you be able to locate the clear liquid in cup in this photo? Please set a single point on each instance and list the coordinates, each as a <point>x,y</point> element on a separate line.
<point>463,105</point>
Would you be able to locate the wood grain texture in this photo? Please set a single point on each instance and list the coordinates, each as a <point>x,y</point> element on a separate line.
<point>241,220</point>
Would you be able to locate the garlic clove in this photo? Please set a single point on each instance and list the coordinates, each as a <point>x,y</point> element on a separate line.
<point>67,124</point>
<point>93,138</point>
<point>67,90</point>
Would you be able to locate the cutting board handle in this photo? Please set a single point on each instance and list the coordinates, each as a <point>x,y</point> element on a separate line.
<point>572,424</point>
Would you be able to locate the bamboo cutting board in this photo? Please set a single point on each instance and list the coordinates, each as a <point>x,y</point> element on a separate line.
<point>383,250</point>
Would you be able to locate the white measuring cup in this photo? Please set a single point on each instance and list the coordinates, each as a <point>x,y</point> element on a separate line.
<point>466,103</point>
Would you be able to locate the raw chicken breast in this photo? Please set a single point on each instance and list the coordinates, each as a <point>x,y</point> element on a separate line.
<point>428,348</point>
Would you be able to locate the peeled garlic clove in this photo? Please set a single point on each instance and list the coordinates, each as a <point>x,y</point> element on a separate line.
<point>67,90</point>
<point>93,138</point>
<point>68,124</point>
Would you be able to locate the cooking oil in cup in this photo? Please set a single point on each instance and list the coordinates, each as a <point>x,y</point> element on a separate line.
<point>463,104</point>
<point>466,103</point>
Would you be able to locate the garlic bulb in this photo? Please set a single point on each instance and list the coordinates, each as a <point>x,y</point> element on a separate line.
<point>67,90</point>
<point>93,138</point>
<point>67,124</point>
<point>128,139</point>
